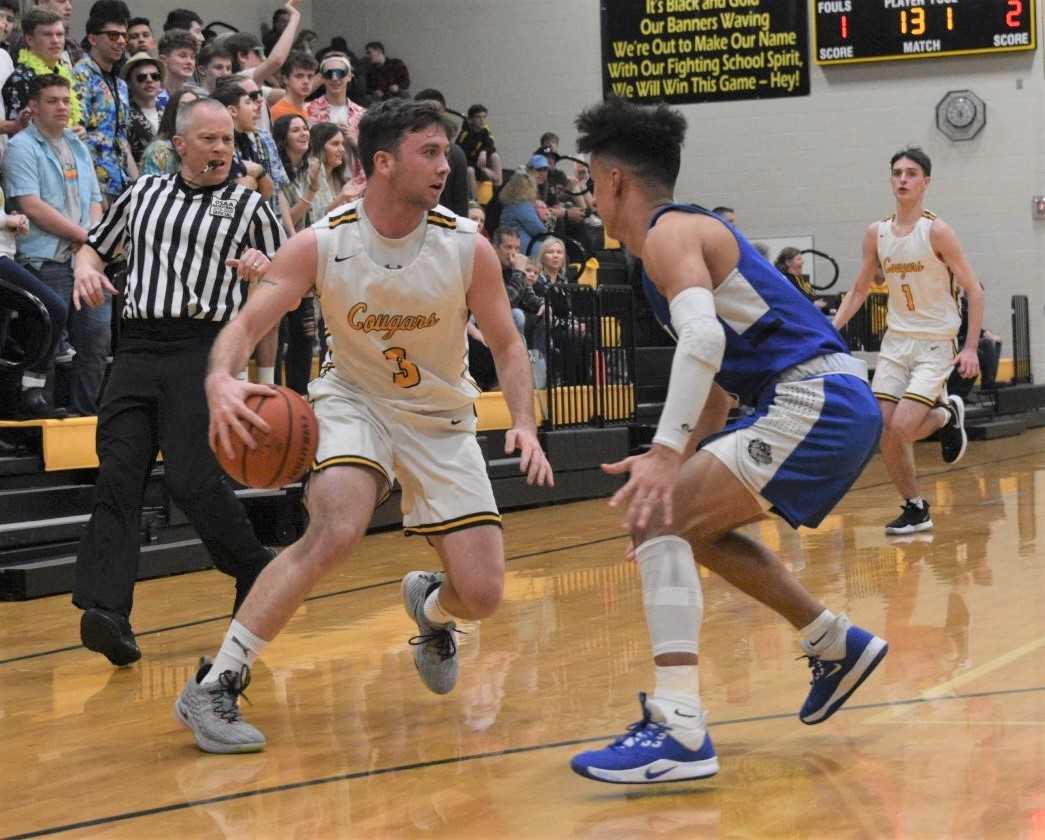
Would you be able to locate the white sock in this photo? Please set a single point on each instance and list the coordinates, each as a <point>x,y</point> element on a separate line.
<point>31,380</point>
<point>241,647</point>
<point>917,500</point>
<point>242,376</point>
<point>825,636</point>
<point>434,611</point>
<point>676,702</point>
<point>266,375</point>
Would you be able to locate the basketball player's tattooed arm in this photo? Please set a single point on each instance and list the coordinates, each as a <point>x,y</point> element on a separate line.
<point>852,302</point>
<point>294,271</point>
<point>488,300</point>
<point>946,245</point>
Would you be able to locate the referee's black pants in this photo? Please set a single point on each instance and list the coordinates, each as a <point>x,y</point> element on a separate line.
<point>155,398</point>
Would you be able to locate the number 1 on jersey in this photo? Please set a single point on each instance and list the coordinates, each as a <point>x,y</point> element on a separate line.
<point>907,294</point>
<point>406,374</point>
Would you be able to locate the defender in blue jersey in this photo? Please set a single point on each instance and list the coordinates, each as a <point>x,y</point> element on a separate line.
<point>742,331</point>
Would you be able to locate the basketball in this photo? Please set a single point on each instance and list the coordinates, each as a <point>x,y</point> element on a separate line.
<point>283,454</point>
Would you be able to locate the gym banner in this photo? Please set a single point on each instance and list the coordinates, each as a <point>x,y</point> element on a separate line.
<point>704,50</point>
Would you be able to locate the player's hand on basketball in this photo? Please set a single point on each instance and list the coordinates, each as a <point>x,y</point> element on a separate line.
<point>229,414</point>
<point>251,265</point>
<point>532,459</point>
<point>649,488</point>
<point>90,286</point>
<point>968,363</point>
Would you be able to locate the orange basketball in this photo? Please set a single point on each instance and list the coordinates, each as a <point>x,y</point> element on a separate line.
<point>282,455</point>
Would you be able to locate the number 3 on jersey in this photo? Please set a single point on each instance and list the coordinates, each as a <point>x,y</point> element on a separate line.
<point>906,293</point>
<point>406,374</point>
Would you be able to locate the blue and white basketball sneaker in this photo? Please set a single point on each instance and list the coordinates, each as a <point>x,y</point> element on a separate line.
<point>835,679</point>
<point>647,754</point>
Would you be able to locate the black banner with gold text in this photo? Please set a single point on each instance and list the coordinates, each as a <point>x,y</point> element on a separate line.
<point>704,50</point>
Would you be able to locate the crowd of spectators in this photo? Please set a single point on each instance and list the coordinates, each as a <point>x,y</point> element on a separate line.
<point>82,120</point>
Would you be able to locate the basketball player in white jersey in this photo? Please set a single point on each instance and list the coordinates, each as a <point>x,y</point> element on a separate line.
<point>396,276</point>
<point>924,267</point>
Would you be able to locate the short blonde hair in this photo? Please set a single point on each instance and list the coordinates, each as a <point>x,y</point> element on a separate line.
<point>546,243</point>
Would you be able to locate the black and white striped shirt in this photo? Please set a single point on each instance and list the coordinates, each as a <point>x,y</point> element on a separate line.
<point>177,240</point>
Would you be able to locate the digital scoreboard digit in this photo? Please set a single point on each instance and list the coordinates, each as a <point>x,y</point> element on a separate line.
<point>886,30</point>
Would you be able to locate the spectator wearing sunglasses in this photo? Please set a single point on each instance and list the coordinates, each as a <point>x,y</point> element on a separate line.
<point>144,77</point>
<point>335,106</point>
<point>103,97</point>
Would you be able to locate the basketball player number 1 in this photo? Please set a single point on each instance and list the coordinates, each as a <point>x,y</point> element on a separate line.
<point>907,294</point>
<point>406,374</point>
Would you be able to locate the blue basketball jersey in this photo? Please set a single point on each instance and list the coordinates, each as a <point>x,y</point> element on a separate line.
<point>769,324</point>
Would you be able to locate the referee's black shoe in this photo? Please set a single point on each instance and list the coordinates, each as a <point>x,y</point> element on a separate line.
<point>109,634</point>
<point>953,439</point>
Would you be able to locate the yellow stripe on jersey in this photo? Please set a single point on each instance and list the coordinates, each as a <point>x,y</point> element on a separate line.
<point>887,397</point>
<point>928,214</point>
<point>448,222</point>
<point>344,219</point>
<point>460,523</point>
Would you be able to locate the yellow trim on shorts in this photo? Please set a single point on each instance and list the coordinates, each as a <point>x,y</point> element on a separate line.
<point>356,461</point>
<point>459,523</point>
<point>918,398</point>
<point>887,397</point>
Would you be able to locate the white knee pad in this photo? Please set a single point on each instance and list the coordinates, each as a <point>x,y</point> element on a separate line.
<point>671,594</point>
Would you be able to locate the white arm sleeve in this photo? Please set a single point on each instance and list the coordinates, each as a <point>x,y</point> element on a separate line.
<point>698,356</point>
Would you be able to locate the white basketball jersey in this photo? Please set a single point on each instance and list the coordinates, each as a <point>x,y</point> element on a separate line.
<point>922,294</point>
<point>399,331</point>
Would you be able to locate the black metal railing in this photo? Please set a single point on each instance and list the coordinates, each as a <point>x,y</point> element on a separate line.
<point>588,339</point>
<point>867,326</point>
<point>1021,339</point>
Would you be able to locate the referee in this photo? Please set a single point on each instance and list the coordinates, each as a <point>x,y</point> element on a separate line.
<point>192,240</point>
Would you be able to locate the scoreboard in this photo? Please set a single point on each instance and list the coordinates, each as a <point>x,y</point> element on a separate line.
<point>885,30</point>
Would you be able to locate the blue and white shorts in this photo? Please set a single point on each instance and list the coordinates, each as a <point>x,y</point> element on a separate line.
<point>806,442</point>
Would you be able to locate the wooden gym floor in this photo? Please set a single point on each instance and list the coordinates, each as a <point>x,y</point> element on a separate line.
<point>945,740</point>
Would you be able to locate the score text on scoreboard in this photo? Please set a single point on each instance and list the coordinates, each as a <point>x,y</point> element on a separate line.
<point>885,30</point>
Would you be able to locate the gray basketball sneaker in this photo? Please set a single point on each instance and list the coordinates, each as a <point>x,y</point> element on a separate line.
<point>211,712</point>
<point>435,651</point>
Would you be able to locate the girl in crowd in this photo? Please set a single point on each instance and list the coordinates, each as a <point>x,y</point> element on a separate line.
<point>291,134</point>
<point>519,209</point>
<point>327,143</point>
<point>159,157</point>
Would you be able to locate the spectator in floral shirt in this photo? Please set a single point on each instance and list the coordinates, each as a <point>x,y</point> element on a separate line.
<point>144,77</point>
<point>44,35</point>
<point>104,99</point>
<point>335,106</point>
<point>71,51</point>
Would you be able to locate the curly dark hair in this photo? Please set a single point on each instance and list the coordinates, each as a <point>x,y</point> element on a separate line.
<point>646,138</point>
